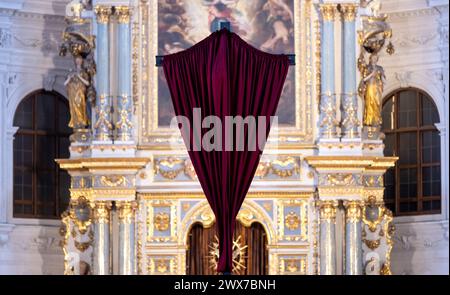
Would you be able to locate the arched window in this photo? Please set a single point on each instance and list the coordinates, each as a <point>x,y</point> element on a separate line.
<point>413,186</point>
<point>41,189</point>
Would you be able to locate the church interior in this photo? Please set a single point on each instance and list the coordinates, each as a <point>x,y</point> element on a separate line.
<point>95,179</point>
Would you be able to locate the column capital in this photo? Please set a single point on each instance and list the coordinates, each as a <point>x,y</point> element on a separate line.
<point>101,211</point>
<point>349,11</point>
<point>353,210</point>
<point>102,13</point>
<point>328,11</point>
<point>123,13</point>
<point>328,210</point>
<point>126,211</point>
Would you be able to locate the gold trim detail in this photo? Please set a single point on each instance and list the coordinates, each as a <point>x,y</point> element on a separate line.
<point>353,211</point>
<point>349,12</point>
<point>328,211</point>
<point>328,12</point>
<point>123,13</point>
<point>102,211</point>
<point>162,221</point>
<point>102,13</point>
<point>126,212</point>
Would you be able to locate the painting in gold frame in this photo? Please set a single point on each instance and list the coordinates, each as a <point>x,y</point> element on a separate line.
<point>295,125</point>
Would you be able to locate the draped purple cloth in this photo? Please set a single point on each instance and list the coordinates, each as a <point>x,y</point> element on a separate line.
<point>225,76</point>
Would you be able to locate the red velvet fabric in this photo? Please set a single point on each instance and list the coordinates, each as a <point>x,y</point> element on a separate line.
<point>225,76</point>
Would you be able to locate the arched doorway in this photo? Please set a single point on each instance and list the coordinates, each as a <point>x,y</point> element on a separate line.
<point>251,250</point>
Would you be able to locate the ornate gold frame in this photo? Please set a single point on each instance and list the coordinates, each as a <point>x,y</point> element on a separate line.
<point>145,83</point>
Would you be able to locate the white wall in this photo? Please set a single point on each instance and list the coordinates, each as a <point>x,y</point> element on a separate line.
<point>30,33</point>
<point>420,37</point>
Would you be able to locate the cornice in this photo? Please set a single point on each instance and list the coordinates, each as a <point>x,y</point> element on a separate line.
<point>399,14</point>
<point>109,164</point>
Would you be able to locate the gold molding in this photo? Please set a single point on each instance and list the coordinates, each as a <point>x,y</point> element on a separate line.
<point>372,163</point>
<point>85,164</point>
<point>250,195</point>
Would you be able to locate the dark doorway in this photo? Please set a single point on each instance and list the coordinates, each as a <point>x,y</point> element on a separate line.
<point>250,250</point>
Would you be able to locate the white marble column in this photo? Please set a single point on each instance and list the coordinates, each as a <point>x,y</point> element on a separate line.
<point>102,256</point>
<point>328,121</point>
<point>349,102</point>
<point>353,239</point>
<point>124,123</point>
<point>328,237</point>
<point>127,259</point>
<point>103,126</point>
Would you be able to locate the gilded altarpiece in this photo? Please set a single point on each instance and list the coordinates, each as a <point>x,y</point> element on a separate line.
<point>300,182</point>
<point>285,205</point>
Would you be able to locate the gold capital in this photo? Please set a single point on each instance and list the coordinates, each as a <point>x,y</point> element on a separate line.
<point>126,211</point>
<point>328,11</point>
<point>353,211</point>
<point>123,13</point>
<point>101,211</point>
<point>328,211</point>
<point>349,12</point>
<point>103,13</point>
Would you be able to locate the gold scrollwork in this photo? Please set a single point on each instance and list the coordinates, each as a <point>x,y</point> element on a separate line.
<point>381,210</point>
<point>161,221</point>
<point>113,180</point>
<point>372,244</point>
<point>81,214</point>
<point>338,179</point>
<point>292,221</point>
<point>246,217</point>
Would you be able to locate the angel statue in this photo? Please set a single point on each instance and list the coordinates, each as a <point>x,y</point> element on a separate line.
<point>371,90</point>
<point>77,83</point>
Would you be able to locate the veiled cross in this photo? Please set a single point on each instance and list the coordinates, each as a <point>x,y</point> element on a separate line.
<point>223,25</point>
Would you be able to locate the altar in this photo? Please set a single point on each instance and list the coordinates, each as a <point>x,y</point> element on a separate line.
<point>315,205</point>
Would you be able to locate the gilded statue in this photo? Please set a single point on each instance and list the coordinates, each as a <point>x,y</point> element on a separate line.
<point>371,90</point>
<point>77,84</point>
<point>80,81</point>
<point>372,38</point>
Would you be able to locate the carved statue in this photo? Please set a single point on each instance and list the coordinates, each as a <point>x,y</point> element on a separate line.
<point>371,90</point>
<point>80,81</point>
<point>372,38</point>
<point>76,84</point>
